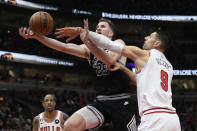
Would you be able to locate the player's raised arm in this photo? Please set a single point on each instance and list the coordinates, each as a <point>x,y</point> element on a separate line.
<point>69,48</point>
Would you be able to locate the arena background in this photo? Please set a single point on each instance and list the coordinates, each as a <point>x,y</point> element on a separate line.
<point>37,69</point>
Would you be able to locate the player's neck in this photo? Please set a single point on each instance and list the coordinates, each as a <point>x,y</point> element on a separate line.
<point>50,114</point>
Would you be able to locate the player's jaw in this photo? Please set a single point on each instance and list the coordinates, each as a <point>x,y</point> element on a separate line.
<point>145,46</point>
<point>148,44</point>
<point>50,108</point>
<point>98,31</point>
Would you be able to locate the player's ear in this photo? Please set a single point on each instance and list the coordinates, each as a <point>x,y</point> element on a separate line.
<point>157,44</point>
<point>111,34</point>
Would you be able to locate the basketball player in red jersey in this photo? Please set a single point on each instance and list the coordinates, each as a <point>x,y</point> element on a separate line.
<point>50,119</point>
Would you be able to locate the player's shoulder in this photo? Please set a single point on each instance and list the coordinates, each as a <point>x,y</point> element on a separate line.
<point>38,116</point>
<point>36,119</point>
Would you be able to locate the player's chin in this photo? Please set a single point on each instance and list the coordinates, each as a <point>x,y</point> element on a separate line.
<point>145,48</point>
<point>49,109</point>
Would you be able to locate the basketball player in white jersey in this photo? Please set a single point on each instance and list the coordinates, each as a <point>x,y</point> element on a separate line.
<point>50,119</point>
<point>153,77</point>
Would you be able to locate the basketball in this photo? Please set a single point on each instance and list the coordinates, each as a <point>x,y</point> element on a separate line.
<point>41,23</point>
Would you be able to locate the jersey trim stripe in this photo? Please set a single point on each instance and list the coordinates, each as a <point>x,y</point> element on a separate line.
<point>61,119</point>
<point>39,121</point>
<point>50,121</point>
<point>113,97</point>
<point>158,110</point>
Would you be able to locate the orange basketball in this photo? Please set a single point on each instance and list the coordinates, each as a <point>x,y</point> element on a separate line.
<point>41,23</point>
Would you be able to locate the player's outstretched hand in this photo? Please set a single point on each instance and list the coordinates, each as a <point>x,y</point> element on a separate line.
<point>27,33</point>
<point>70,32</point>
<point>86,27</point>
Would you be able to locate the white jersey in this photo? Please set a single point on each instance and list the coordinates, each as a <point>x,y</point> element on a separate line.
<point>154,85</point>
<point>54,125</point>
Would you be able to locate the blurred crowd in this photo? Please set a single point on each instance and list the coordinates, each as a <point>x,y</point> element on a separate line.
<point>14,116</point>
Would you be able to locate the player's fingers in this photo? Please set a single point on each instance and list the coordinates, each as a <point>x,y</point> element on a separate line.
<point>23,31</point>
<point>114,67</point>
<point>59,32</point>
<point>86,23</point>
<point>60,36</point>
<point>86,26</point>
<point>67,40</point>
<point>70,38</point>
<point>28,29</point>
<point>59,29</point>
<point>63,29</point>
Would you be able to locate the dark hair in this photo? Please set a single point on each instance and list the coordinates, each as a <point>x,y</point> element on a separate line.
<point>165,38</point>
<point>111,24</point>
<point>54,97</point>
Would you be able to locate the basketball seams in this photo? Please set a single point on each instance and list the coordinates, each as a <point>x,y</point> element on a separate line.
<point>40,21</point>
<point>45,22</point>
<point>51,23</point>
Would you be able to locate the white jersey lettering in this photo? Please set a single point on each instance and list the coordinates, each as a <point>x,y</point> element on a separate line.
<point>53,125</point>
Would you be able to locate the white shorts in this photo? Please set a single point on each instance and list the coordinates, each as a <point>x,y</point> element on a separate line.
<point>160,122</point>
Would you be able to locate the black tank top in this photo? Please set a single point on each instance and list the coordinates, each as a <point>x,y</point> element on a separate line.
<point>108,82</point>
